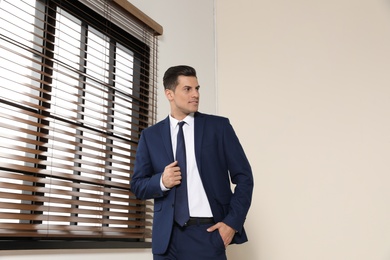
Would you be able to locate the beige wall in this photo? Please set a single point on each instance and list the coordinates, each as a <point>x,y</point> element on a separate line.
<point>311,79</point>
<point>306,83</point>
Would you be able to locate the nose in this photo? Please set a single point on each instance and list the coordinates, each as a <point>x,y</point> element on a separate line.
<point>195,93</point>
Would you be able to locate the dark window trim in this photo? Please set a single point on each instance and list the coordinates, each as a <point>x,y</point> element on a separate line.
<point>36,244</point>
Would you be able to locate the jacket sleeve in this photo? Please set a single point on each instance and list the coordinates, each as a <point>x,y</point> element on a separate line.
<point>145,183</point>
<point>241,175</point>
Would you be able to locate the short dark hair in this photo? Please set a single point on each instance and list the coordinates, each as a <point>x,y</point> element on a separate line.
<point>171,75</point>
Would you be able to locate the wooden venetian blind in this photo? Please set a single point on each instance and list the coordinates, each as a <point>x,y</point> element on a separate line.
<point>77,86</point>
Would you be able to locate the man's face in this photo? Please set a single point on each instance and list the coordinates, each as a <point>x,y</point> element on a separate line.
<point>185,99</point>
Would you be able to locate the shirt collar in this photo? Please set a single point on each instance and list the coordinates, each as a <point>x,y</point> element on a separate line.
<point>188,119</point>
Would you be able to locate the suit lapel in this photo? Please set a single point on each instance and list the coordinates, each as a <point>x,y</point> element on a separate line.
<point>165,132</point>
<point>166,137</point>
<point>198,132</point>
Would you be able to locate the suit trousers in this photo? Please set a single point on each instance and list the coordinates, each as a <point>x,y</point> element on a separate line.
<point>194,243</point>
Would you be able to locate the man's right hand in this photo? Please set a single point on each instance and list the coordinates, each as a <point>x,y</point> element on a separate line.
<point>171,175</point>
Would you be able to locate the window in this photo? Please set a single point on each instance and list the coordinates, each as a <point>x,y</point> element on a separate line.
<point>78,85</point>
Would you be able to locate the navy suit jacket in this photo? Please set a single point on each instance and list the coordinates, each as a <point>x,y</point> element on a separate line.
<point>220,159</point>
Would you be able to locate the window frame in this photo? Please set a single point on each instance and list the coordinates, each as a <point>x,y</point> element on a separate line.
<point>121,37</point>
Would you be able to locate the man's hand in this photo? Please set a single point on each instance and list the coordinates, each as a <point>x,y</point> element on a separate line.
<point>171,175</point>
<point>226,232</point>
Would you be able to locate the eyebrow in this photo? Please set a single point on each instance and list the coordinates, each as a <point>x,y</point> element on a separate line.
<point>187,86</point>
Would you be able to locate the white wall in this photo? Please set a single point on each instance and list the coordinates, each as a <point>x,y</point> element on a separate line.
<point>307,85</point>
<point>188,38</point>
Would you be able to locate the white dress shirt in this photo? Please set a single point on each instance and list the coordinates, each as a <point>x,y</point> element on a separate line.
<point>197,200</point>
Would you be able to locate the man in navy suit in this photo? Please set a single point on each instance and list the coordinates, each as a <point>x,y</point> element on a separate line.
<point>214,158</point>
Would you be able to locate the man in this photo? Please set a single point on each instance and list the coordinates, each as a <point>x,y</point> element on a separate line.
<point>209,157</point>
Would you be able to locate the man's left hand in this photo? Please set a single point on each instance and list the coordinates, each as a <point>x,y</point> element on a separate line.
<point>226,232</point>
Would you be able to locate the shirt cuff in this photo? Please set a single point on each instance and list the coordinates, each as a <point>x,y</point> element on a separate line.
<point>163,188</point>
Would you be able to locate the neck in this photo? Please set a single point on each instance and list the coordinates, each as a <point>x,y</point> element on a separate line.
<point>181,116</point>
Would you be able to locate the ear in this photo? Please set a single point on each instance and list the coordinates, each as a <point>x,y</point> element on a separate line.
<point>169,94</point>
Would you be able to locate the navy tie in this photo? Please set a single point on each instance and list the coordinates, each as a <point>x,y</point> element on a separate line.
<point>182,213</point>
